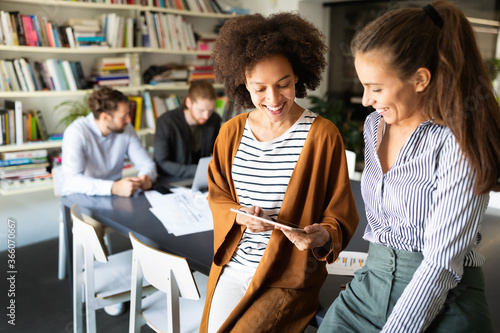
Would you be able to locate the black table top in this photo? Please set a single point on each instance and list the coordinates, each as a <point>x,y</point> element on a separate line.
<point>133,214</point>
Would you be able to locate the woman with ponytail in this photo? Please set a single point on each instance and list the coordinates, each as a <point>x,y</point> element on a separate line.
<point>431,159</point>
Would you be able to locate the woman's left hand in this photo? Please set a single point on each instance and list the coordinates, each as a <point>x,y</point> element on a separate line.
<point>315,235</point>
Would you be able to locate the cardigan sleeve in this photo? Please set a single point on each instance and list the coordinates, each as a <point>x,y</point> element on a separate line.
<point>222,194</point>
<point>339,215</point>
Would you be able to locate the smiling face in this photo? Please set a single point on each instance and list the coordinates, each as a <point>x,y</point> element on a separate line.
<point>392,98</point>
<point>271,85</point>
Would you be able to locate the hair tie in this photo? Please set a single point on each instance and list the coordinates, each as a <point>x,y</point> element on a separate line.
<point>434,15</point>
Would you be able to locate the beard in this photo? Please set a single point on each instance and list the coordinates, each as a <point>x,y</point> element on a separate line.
<point>115,129</point>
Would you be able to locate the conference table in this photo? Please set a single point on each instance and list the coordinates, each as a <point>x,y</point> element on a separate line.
<point>133,215</point>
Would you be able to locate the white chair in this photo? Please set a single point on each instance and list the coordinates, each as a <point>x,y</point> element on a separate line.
<point>97,284</point>
<point>57,180</point>
<point>180,310</point>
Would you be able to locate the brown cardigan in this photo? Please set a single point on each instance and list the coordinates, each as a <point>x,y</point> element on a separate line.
<point>283,294</point>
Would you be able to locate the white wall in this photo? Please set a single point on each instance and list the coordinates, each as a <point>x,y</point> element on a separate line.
<point>266,7</point>
<point>36,216</point>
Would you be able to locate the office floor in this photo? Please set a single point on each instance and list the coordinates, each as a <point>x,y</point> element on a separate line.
<point>42,301</point>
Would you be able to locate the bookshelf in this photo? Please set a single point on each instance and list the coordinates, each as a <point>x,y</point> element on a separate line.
<point>59,11</point>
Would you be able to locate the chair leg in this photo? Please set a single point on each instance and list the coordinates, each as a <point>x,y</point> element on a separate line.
<point>90,304</point>
<point>136,296</point>
<point>77,288</point>
<point>61,270</point>
<point>107,240</point>
<point>174,325</point>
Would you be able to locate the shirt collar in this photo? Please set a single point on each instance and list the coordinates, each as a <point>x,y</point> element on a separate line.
<point>93,125</point>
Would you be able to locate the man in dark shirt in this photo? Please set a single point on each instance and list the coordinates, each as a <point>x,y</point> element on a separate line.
<point>186,134</point>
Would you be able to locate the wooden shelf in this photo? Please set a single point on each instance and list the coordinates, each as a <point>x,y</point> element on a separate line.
<point>20,190</point>
<point>32,146</point>
<point>73,93</point>
<point>118,7</point>
<point>97,50</point>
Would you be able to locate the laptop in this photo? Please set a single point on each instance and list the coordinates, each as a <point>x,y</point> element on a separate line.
<point>200,180</point>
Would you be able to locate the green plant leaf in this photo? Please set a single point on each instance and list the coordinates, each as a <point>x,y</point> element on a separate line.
<point>73,109</point>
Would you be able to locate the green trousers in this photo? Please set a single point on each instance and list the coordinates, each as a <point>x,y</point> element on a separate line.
<point>369,298</point>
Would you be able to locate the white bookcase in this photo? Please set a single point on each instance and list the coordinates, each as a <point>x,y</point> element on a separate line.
<point>59,11</point>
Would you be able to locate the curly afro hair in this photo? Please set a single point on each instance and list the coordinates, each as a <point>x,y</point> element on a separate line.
<point>246,40</point>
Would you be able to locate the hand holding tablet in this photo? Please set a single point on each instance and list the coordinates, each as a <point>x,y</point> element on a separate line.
<point>267,219</point>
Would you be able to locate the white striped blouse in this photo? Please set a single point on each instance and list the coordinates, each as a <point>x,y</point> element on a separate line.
<point>424,203</point>
<point>261,172</point>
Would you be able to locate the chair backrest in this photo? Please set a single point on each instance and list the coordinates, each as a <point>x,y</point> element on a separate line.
<point>86,234</point>
<point>156,266</point>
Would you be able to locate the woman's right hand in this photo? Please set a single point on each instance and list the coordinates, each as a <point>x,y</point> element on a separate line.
<point>252,224</point>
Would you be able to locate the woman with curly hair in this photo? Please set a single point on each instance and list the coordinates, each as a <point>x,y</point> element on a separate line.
<point>279,161</point>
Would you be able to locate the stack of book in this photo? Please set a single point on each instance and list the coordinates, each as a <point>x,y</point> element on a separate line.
<point>112,72</point>
<point>201,73</point>
<point>24,169</point>
<point>86,33</point>
<point>172,75</point>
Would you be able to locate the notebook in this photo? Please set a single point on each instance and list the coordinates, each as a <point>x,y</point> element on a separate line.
<point>200,180</point>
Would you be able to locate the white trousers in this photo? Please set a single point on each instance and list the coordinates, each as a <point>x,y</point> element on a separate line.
<point>232,285</point>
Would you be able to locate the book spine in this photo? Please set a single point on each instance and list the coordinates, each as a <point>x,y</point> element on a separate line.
<point>24,154</point>
<point>16,16</point>
<point>12,127</point>
<point>11,73</point>
<point>7,85</point>
<point>17,106</point>
<point>40,125</point>
<point>14,30</point>
<point>71,38</point>
<point>30,83</point>
<point>20,76</point>
<point>7,28</point>
<point>69,75</point>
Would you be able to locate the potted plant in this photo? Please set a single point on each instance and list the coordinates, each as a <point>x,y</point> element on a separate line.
<point>335,110</point>
<point>74,109</point>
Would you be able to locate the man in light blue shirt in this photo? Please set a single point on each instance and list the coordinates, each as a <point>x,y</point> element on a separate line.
<point>94,149</point>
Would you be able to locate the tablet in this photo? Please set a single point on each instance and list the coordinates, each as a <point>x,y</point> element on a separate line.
<point>267,219</point>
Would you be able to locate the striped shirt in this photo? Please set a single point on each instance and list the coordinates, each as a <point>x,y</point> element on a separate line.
<point>424,203</point>
<point>261,172</point>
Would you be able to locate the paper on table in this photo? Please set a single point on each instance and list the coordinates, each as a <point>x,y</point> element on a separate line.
<point>181,212</point>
